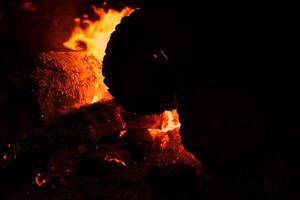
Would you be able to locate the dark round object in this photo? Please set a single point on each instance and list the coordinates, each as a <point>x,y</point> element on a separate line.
<point>207,63</point>
<point>139,62</point>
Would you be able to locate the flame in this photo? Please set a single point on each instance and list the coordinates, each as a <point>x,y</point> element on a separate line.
<point>170,123</point>
<point>95,36</point>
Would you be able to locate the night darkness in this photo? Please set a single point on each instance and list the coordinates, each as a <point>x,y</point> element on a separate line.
<point>228,69</point>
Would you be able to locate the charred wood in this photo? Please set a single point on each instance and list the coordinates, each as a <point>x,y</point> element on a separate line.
<point>136,66</point>
<point>65,81</point>
<point>38,87</point>
<point>169,66</point>
<point>86,127</point>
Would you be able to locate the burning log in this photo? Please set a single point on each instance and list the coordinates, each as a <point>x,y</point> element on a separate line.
<point>88,137</point>
<point>66,81</point>
<point>38,87</point>
<point>86,126</point>
<point>77,133</point>
<point>90,126</point>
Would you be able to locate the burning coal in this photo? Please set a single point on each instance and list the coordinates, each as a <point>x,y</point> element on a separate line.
<point>170,122</point>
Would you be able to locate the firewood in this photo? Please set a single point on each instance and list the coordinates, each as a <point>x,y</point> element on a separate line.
<point>54,82</point>
<point>65,81</point>
<point>37,87</point>
<point>84,126</point>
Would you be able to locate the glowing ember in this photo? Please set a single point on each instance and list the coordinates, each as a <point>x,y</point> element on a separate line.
<point>122,134</point>
<point>112,158</point>
<point>95,36</point>
<point>5,157</point>
<point>170,122</point>
<point>38,180</point>
<point>121,119</point>
<point>164,141</point>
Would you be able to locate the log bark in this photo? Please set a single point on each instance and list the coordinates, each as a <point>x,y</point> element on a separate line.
<point>38,87</point>
<point>85,126</point>
<point>65,81</point>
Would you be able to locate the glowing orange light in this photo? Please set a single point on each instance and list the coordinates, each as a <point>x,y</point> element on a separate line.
<point>122,134</point>
<point>95,36</point>
<point>170,122</point>
<point>38,180</point>
<point>111,158</point>
<point>5,157</point>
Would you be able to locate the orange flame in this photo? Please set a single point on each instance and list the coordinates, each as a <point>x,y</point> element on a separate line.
<point>95,36</point>
<point>170,123</point>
